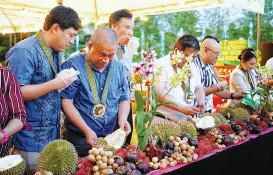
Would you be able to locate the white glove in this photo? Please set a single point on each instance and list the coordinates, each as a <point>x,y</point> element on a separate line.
<point>223,83</point>
<point>68,76</point>
<point>133,44</point>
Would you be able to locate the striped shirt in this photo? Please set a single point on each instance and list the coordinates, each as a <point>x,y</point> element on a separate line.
<point>11,104</point>
<point>206,77</point>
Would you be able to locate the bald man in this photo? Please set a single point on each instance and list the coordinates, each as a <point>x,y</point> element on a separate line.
<point>202,68</point>
<point>100,96</point>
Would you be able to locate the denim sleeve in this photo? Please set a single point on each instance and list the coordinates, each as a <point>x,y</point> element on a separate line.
<point>21,63</point>
<point>70,91</point>
<point>125,88</point>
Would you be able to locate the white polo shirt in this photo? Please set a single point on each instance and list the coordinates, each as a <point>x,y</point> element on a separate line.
<point>177,94</point>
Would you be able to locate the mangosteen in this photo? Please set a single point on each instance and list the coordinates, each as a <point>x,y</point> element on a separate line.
<point>227,141</point>
<point>120,171</point>
<point>142,167</point>
<point>175,151</point>
<point>132,166</point>
<point>169,145</point>
<point>194,142</point>
<point>187,135</point>
<point>255,129</point>
<point>119,161</point>
<point>127,169</point>
<point>135,172</point>
<point>131,156</point>
<point>168,153</point>
<point>239,127</point>
<point>247,121</point>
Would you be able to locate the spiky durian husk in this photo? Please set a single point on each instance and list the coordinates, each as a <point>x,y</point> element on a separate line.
<point>102,143</point>
<point>227,113</point>
<point>219,119</point>
<point>240,114</point>
<point>222,118</point>
<point>19,169</point>
<point>187,127</point>
<point>172,128</point>
<point>241,105</point>
<point>58,157</point>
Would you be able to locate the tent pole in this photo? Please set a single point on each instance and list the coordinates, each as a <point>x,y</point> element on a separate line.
<point>258,42</point>
<point>14,39</point>
<point>60,2</point>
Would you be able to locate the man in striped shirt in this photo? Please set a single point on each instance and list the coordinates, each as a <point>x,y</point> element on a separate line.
<point>12,110</point>
<point>203,65</point>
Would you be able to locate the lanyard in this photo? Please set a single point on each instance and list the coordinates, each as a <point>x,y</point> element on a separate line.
<point>46,50</point>
<point>92,82</point>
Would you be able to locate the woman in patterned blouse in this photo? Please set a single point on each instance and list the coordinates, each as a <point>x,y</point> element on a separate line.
<point>12,111</point>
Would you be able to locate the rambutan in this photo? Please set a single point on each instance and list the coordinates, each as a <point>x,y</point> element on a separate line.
<point>207,149</point>
<point>121,152</point>
<point>198,151</point>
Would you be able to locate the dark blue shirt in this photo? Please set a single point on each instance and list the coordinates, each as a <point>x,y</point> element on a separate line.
<point>80,91</point>
<point>31,66</point>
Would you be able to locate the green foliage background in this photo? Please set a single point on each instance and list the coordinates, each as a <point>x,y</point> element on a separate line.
<point>198,23</point>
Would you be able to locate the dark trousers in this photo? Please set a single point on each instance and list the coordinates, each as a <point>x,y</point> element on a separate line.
<point>79,142</point>
<point>130,120</point>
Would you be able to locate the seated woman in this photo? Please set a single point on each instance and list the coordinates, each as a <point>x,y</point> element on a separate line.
<point>243,77</point>
<point>12,110</point>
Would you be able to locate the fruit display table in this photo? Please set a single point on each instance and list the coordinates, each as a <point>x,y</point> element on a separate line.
<point>253,156</point>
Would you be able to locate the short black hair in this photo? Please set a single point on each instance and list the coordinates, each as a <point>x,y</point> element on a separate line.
<point>117,15</point>
<point>186,41</point>
<point>247,54</point>
<point>211,37</point>
<point>66,17</point>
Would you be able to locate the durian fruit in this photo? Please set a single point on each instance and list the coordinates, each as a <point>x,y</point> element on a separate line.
<point>235,114</point>
<point>240,114</point>
<point>219,119</point>
<point>12,165</point>
<point>102,143</point>
<point>241,105</point>
<point>58,157</point>
<point>187,127</point>
<point>116,139</point>
<point>172,128</point>
<point>226,112</point>
<point>43,173</point>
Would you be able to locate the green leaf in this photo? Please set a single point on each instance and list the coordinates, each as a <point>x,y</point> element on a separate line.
<point>142,142</point>
<point>154,95</point>
<point>148,117</point>
<point>166,136</point>
<point>147,133</point>
<point>139,101</point>
<point>140,125</point>
<point>249,102</point>
<point>159,114</point>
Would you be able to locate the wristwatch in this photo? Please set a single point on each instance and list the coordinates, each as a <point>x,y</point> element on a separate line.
<point>6,137</point>
<point>231,96</point>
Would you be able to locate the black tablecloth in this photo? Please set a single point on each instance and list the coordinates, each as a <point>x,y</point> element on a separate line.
<point>255,157</point>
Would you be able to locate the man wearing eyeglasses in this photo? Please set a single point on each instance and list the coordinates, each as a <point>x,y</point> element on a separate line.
<point>203,65</point>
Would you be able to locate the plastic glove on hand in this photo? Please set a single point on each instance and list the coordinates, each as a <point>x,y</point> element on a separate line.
<point>68,76</point>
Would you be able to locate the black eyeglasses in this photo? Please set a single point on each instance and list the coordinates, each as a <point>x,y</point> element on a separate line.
<point>215,53</point>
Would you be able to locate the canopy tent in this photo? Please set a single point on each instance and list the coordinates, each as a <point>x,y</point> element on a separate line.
<point>28,15</point>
